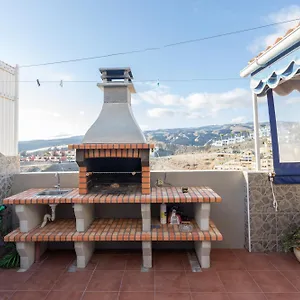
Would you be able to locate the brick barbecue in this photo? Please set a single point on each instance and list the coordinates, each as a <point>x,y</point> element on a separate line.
<point>113,161</point>
<point>114,154</point>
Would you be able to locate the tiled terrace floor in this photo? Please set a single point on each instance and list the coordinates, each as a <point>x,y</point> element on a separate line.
<point>234,275</point>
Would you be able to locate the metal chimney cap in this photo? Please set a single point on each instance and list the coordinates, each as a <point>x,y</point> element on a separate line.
<point>116,73</point>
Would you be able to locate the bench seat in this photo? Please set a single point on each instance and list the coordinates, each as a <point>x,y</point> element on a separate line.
<point>113,230</point>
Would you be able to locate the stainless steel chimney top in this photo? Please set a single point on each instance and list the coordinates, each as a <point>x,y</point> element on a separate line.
<point>116,122</point>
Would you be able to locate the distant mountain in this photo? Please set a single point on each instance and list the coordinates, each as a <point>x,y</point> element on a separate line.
<point>38,144</point>
<point>198,136</point>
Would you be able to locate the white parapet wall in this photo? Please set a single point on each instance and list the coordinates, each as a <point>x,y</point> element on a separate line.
<point>9,99</point>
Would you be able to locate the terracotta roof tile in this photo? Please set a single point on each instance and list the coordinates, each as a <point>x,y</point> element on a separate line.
<point>277,41</point>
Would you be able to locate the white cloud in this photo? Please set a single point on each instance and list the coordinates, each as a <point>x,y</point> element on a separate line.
<point>160,112</point>
<point>196,105</point>
<point>288,13</point>
<point>218,101</point>
<point>240,119</point>
<point>159,96</point>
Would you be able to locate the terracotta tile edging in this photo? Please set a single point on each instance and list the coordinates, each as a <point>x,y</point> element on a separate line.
<point>153,195</point>
<point>112,230</point>
<point>111,146</point>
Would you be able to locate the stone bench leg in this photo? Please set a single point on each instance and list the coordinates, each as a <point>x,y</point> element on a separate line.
<point>202,250</point>
<point>84,214</point>
<point>146,216</point>
<point>84,252</point>
<point>202,215</point>
<point>147,254</point>
<point>27,255</point>
<point>30,215</point>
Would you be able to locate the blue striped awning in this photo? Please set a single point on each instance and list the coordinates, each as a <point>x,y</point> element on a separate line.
<point>277,76</point>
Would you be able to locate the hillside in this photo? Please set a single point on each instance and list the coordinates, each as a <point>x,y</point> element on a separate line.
<point>175,139</point>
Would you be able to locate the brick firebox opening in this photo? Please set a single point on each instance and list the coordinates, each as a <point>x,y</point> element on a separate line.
<point>113,169</point>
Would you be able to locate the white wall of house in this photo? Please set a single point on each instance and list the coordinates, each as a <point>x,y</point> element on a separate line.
<point>8,109</point>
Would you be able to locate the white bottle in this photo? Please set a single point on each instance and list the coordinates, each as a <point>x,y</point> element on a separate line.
<point>163,213</point>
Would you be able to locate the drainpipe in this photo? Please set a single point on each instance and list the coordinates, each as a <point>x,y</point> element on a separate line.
<point>256,132</point>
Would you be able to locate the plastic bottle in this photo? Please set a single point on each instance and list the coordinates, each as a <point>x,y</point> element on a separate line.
<point>163,213</point>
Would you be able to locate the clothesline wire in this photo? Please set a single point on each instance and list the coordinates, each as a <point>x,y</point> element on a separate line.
<point>161,47</point>
<point>134,81</point>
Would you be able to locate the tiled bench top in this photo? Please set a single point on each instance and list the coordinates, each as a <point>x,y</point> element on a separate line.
<point>157,195</point>
<point>113,230</point>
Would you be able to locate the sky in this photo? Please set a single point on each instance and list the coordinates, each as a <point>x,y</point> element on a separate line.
<point>34,32</point>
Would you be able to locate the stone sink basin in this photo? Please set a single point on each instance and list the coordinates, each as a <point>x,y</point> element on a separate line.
<point>53,192</point>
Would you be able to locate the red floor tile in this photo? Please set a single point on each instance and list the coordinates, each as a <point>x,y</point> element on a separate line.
<point>134,262</point>
<point>240,252</point>
<point>64,295</point>
<point>169,262</point>
<point>256,262</point>
<point>238,281</point>
<point>112,262</point>
<point>4,295</point>
<point>207,281</point>
<point>235,264</point>
<point>76,281</point>
<point>293,277</point>
<point>58,261</point>
<point>171,281</point>
<point>209,296</point>
<point>172,296</point>
<point>272,282</point>
<point>92,264</point>
<point>136,296</point>
<point>109,281</point>
<point>135,281</point>
<point>11,279</point>
<point>283,296</point>
<point>99,296</point>
<point>41,280</point>
<point>284,262</point>
<point>22,295</point>
<point>222,255</point>
<point>225,259</point>
<point>247,296</point>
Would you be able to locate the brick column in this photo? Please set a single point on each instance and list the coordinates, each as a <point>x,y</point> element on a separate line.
<point>83,181</point>
<point>146,180</point>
